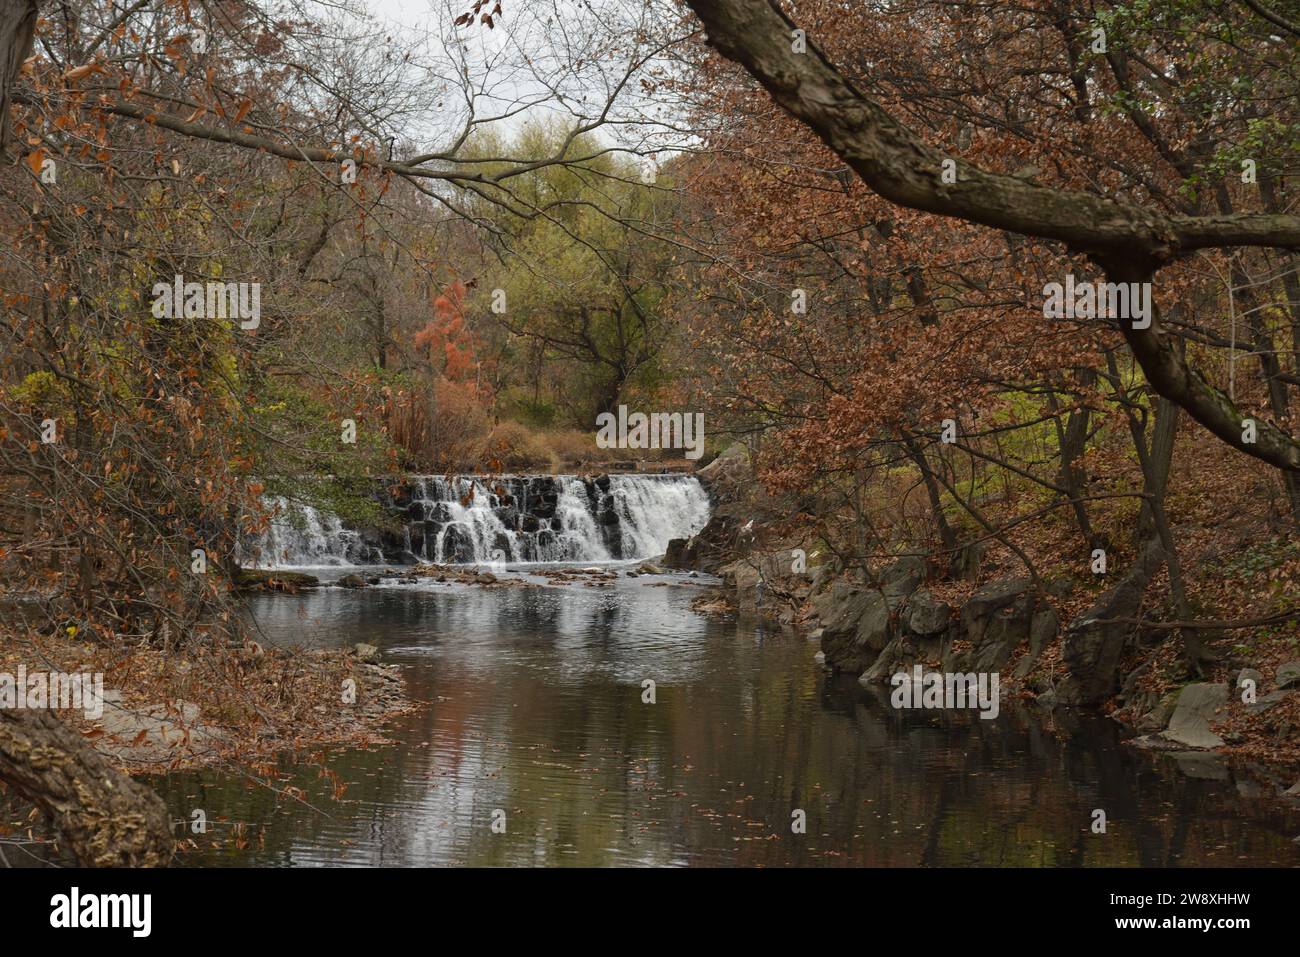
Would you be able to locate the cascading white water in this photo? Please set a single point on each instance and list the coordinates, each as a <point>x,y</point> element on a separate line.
<point>302,536</point>
<point>514,519</point>
<point>655,512</point>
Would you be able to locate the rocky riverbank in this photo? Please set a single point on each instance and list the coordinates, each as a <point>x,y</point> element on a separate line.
<point>1063,644</point>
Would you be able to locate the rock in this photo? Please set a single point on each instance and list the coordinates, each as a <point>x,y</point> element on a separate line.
<point>1043,628</point>
<point>1157,719</point>
<point>457,545</point>
<point>1094,642</point>
<point>731,466</point>
<point>1197,705</point>
<point>1288,675</point>
<point>820,657</point>
<point>1249,674</point>
<point>681,553</point>
<point>858,620</point>
<point>904,575</point>
<point>994,621</point>
<point>855,626</point>
<point>161,726</point>
<point>649,568</point>
<point>351,581</point>
<point>1059,587</point>
<point>1267,701</point>
<point>898,655</point>
<point>926,615</point>
<point>816,634</point>
<point>1248,788</point>
<point>365,653</point>
<point>273,577</point>
<point>966,562</point>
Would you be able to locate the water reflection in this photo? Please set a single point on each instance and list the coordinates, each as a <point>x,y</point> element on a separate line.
<point>535,708</point>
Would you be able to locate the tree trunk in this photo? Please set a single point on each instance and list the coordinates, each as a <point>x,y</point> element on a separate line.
<point>107,819</point>
<point>17,31</point>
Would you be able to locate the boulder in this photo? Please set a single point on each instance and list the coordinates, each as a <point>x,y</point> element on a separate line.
<point>351,581</point>
<point>858,620</point>
<point>1198,704</point>
<point>926,615</point>
<point>1043,628</point>
<point>730,467</point>
<point>682,553</point>
<point>904,575</point>
<point>365,652</point>
<point>994,622</point>
<point>899,655</point>
<point>158,726</point>
<point>1094,642</point>
<point>1288,675</point>
<point>457,544</point>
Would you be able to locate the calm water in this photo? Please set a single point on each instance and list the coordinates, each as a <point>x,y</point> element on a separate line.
<point>536,709</point>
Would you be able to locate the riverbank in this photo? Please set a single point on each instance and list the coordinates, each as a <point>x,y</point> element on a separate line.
<point>1072,642</point>
<point>228,706</point>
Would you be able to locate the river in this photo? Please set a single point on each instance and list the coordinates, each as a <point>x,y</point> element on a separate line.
<point>535,708</point>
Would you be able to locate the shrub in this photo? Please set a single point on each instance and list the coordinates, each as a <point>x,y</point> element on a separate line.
<point>511,446</point>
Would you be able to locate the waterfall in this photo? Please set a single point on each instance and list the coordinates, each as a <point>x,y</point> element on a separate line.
<point>299,535</point>
<point>517,519</point>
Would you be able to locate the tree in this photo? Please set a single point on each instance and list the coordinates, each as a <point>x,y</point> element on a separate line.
<point>1131,243</point>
